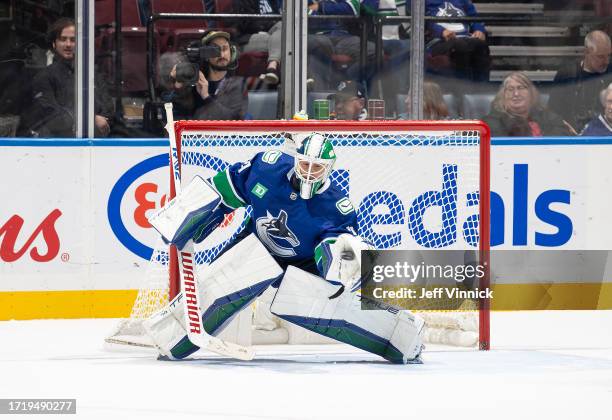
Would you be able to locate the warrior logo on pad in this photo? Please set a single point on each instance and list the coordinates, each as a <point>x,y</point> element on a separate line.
<point>272,230</point>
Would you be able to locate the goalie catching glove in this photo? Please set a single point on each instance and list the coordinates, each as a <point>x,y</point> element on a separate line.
<point>339,259</point>
<point>194,213</point>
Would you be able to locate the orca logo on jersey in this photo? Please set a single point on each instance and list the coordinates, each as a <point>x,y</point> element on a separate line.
<point>270,228</point>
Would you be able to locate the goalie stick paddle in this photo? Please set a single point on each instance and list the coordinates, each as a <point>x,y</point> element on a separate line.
<point>189,284</point>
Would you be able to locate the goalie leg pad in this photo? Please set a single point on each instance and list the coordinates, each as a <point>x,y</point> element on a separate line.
<point>227,286</point>
<point>194,213</point>
<point>304,299</point>
<point>166,328</point>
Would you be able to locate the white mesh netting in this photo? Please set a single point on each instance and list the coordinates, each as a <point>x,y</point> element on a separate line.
<point>412,190</point>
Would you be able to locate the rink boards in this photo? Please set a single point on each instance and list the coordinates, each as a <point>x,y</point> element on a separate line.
<point>74,236</point>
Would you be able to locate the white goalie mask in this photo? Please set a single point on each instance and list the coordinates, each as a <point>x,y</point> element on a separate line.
<point>314,160</point>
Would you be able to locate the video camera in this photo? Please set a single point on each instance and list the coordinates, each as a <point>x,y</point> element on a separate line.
<point>197,54</point>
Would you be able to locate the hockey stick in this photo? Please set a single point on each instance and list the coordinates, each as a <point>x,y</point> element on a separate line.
<point>189,283</point>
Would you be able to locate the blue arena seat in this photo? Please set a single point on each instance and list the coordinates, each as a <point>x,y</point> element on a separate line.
<point>451,102</point>
<point>477,105</point>
<point>262,105</point>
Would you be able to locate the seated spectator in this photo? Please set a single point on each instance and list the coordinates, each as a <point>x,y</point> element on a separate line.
<point>579,83</point>
<point>464,43</point>
<point>53,110</point>
<point>326,37</point>
<point>262,35</point>
<point>434,106</point>
<point>216,94</point>
<point>393,76</point>
<point>601,125</point>
<point>329,37</point>
<point>350,101</point>
<point>516,111</point>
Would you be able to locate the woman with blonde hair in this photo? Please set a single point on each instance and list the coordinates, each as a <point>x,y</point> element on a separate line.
<point>517,111</point>
<point>434,106</point>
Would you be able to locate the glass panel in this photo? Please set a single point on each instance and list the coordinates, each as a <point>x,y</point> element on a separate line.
<point>521,67</point>
<point>120,79</point>
<point>258,39</point>
<point>37,76</point>
<point>582,70</point>
<point>334,49</point>
<point>211,80</point>
<point>347,72</point>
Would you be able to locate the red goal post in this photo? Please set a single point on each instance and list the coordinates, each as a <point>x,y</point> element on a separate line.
<point>378,153</point>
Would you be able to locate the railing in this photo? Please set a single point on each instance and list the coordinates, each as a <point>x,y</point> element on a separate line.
<point>364,24</point>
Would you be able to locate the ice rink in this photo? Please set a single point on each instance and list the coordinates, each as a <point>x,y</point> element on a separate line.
<point>544,365</point>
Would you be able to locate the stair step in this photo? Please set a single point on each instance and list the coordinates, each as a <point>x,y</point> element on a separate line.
<point>534,75</point>
<point>528,31</point>
<point>527,51</point>
<point>510,8</point>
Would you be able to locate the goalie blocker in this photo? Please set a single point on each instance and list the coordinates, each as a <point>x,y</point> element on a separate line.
<point>194,213</point>
<point>243,272</point>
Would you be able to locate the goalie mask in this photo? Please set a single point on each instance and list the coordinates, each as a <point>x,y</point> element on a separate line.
<point>314,160</point>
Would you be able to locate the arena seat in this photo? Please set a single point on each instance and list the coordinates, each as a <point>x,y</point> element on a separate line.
<point>177,34</point>
<point>133,57</point>
<point>225,7</point>
<point>131,14</point>
<point>252,63</point>
<point>477,105</point>
<point>451,102</point>
<point>262,105</point>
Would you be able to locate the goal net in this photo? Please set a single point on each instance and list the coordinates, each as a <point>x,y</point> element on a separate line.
<point>415,186</point>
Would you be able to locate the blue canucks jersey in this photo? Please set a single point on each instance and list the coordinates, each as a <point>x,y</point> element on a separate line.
<point>289,226</point>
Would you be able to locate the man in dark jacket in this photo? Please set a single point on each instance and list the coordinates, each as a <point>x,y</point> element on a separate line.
<point>576,96</point>
<point>53,112</point>
<point>217,95</point>
<point>602,124</point>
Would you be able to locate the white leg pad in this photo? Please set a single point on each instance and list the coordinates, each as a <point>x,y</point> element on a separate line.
<point>227,285</point>
<point>166,327</point>
<point>303,299</point>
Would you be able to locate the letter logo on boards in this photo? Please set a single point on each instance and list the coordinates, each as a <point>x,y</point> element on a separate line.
<point>10,231</point>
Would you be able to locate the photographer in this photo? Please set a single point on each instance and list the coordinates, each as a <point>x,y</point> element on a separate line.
<point>202,86</point>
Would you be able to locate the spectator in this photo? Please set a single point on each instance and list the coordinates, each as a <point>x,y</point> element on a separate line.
<point>579,83</point>
<point>434,106</point>
<point>602,125</point>
<point>464,43</point>
<point>394,76</point>
<point>217,94</point>
<point>350,101</point>
<point>54,91</point>
<point>263,35</point>
<point>329,37</point>
<point>516,111</point>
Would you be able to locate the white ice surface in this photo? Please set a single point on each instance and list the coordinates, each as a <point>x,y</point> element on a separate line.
<point>545,365</point>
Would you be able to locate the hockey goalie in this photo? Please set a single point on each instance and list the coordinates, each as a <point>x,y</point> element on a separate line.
<point>301,240</point>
